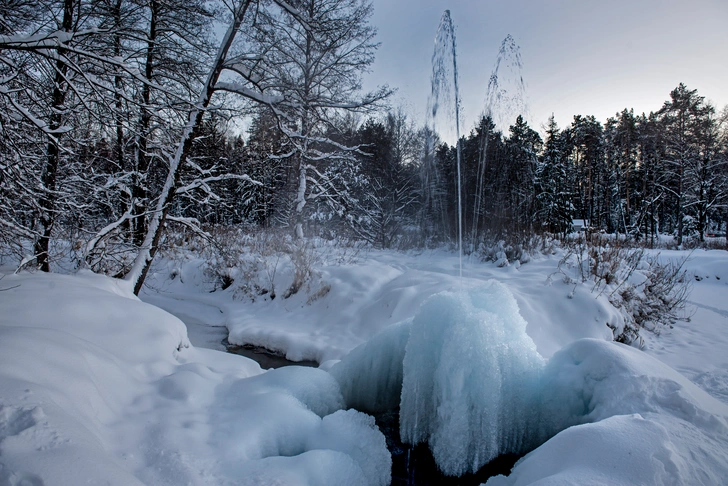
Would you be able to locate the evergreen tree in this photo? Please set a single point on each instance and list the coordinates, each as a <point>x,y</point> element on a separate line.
<point>553,197</point>
<point>686,123</point>
<point>588,175</point>
<point>522,149</point>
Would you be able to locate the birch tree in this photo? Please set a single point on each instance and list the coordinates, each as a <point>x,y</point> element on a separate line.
<point>176,159</point>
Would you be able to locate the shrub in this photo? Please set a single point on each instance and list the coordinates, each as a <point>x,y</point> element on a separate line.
<point>649,292</point>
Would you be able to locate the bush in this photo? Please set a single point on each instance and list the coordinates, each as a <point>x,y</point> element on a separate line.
<point>650,293</point>
<point>508,249</point>
<point>255,265</point>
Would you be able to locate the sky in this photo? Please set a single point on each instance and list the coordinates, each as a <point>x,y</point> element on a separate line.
<point>579,56</point>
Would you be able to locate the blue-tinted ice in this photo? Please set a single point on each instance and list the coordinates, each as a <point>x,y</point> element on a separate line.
<point>471,376</point>
<point>468,382</point>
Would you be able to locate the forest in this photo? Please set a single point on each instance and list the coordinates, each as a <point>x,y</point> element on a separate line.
<point>123,119</point>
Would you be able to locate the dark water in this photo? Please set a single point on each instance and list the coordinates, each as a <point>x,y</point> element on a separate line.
<point>411,466</point>
<point>266,358</point>
<point>415,466</point>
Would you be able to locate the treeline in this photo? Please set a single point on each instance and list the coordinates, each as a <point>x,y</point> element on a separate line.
<point>635,175</point>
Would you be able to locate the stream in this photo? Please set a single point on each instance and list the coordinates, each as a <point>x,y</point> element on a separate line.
<point>266,358</point>
<point>411,466</point>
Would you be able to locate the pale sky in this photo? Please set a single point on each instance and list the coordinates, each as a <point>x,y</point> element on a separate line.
<point>579,56</point>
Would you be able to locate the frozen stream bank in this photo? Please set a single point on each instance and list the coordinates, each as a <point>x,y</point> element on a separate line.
<point>411,465</point>
<point>587,393</point>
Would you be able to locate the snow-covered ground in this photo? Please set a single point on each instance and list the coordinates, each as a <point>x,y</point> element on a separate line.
<point>98,387</point>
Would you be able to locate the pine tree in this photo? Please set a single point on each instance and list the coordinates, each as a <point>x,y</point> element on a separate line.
<point>686,122</point>
<point>522,149</point>
<point>553,197</point>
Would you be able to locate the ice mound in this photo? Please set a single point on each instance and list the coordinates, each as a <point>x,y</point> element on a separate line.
<point>464,373</point>
<point>370,376</point>
<point>470,379</point>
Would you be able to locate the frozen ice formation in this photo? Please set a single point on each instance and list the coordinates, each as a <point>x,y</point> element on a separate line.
<point>464,373</point>
<point>470,379</point>
<point>370,376</point>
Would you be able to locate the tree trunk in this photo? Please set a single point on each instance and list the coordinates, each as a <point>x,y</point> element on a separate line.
<point>49,177</point>
<point>118,101</point>
<point>152,238</point>
<point>139,194</point>
<point>300,197</point>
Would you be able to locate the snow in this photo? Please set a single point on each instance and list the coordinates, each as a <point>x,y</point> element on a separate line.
<point>625,418</point>
<point>373,292</point>
<point>90,376</point>
<point>697,349</point>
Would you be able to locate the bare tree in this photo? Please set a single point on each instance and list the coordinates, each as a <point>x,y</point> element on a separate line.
<point>315,52</point>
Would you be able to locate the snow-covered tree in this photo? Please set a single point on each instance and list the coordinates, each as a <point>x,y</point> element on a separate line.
<point>686,124</point>
<point>310,70</point>
<point>389,202</point>
<point>553,197</point>
<point>522,149</point>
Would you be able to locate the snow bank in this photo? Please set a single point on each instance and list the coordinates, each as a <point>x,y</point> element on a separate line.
<point>470,378</point>
<point>626,418</point>
<point>97,387</point>
<point>73,352</point>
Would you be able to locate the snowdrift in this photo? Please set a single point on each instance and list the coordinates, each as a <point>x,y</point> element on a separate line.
<point>635,421</point>
<point>97,387</point>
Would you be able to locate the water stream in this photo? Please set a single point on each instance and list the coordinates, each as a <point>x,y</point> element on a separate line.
<point>266,358</point>
<point>446,92</point>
